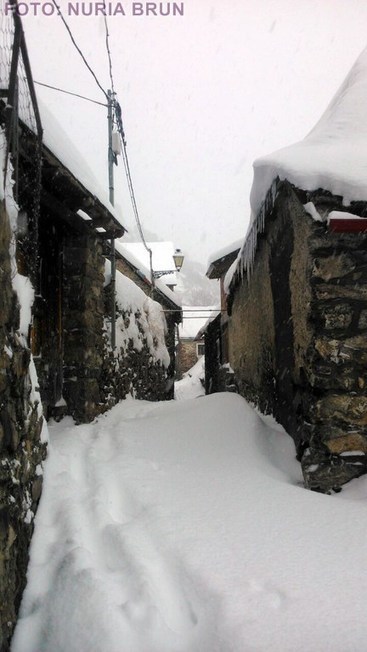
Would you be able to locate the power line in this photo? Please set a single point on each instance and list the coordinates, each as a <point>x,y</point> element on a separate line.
<point>78,48</point>
<point>120,128</point>
<point>108,49</point>
<point>128,172</point>
<point>117,109</point>
<point>62,90</point>
<point>125,158</point>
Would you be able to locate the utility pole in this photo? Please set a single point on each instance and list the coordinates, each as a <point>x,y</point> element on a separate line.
<point>112,201</point>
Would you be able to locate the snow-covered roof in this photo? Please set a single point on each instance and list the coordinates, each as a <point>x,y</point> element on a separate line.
<point>59,143</point>
<point>124,250</point>
<point>224,251</point>
<point>194,318</point>
<point>220,260</point>
<point>333,156</point>
<point>162,258</point>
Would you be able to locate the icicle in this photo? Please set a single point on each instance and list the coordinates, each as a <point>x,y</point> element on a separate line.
<point>247,256</point>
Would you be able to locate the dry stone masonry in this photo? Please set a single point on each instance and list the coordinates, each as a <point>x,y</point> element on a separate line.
<point>83,325</point>
<point>22,449</point>
<point>141,364</point>
<point>298,335</point>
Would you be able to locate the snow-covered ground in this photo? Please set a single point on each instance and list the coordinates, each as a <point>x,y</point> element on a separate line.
<point>183,526</point>
<point>192,384</point>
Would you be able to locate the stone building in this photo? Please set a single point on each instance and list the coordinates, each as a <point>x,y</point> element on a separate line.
<point>68,314</point>
<point>56,358</point>
<point>22,436</point>
<point>191,346</point>
<point>218,375</point>
<point>133,268</point>
<point>22,429</point>
<point>297,299</point>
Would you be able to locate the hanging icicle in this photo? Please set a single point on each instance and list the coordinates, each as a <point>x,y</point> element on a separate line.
<point>246,258</point>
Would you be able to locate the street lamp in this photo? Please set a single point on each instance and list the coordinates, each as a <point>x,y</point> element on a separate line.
<point>178,259</point>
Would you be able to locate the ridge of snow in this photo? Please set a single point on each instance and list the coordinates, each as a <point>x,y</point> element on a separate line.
<point>333,157</point>
<point>341,215</point>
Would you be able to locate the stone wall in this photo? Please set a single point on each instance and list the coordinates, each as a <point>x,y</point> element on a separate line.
<point>131,273</point>
<point>83,324</point>
<point>251,334</point>
<point>186,356</point>
<point>135,368</point>
<point>298,336</point>
<point>171,314</point>
<point>79,373</point>
<point>21,447</point>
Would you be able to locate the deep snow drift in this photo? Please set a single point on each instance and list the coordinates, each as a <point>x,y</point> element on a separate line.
<point>183,526</point>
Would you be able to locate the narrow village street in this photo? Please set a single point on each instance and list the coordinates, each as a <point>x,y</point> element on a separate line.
<point>183,326</point>
<point>184,526</point>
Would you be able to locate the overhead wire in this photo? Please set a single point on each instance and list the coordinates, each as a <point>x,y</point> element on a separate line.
<point>118,120</point>
<point>78,48</point>
<point>125,159</point>
<point>120,129</point>
<point>62,90</point>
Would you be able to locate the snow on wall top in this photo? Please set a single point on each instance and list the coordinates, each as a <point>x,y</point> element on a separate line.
<point>162,258</point>
<point>125,252</point>
<point>130,298</point>
<point>59,143</point>
<point>333,156</point>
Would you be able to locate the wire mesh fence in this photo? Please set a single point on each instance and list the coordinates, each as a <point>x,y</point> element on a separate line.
<point>15,75</point>
<point>20,121</point>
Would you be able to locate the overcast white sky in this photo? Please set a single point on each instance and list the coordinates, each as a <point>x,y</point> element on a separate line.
<point>202,95</point>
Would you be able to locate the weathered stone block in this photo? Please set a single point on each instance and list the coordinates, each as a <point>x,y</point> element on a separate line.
<point>341,351</point>
<point>326,375</point>
<point>333,267</point>
<point>335,317</point>
<point>362,322</point>
<point>325,473</point>
<point>347,443</point>
<point>324,292</point>
<point>350,409</point>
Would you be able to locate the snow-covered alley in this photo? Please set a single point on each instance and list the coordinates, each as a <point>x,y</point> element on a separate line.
<point>183,526</point>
